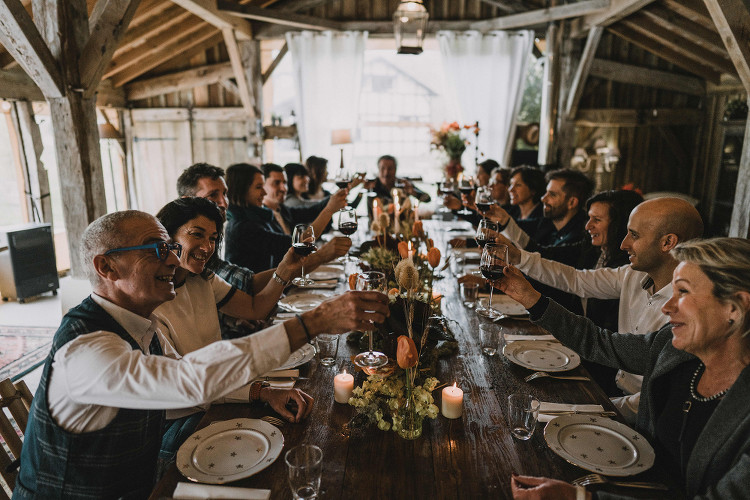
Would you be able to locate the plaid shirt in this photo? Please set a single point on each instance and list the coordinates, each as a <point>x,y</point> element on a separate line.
<point>242,279</point>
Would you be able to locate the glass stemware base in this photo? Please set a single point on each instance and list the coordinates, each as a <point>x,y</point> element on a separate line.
<point>487,312</point>
<point>302,281</point>
<point>370,359</point>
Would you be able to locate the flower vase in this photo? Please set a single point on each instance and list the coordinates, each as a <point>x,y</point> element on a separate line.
<point>411,424</point>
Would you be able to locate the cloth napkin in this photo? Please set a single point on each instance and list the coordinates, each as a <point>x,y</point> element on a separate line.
<point>510,337</point>
<point>201,491</point>
<point>544,406</point>
<point>240,395</point>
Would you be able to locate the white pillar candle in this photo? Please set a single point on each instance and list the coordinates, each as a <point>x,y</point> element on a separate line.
<point>396,211</point>
<point>409,251</point>
<point>343,385</point>
<point>453,402</point>
<point>416,210</point>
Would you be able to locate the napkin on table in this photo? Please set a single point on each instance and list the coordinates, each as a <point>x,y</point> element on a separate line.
<point>544,406</point>
<point>202,491</point>
<point>510,337</point>
<point>240,395</point>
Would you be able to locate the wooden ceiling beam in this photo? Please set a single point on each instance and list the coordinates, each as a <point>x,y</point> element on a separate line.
<point>505,6</point>
<point>694,10</point>
<point>616,117</point>
<point>208,11</point>
<point>733,22</point>
<point>298,5</point>
<point>149,9</point>
<point>136,35</point>
<point>655,47</point>
<point>240,68</point>
<point>279,57</point>
<point>647,77</point>
<point>23,41</point>
<point>278,17</point>
<point>542,16</point>
<point>107,23</point>
<point>180,80</point>
<point>582,71</point>
<point>679,44</point>
<point>695,32</point>
<point>618,9</point>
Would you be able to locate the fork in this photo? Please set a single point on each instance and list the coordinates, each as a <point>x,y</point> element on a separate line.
<point>599,479</point>
<point>273,420</point>
<point>536,375</point>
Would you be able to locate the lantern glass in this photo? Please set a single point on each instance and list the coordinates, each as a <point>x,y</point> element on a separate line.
<point>409,24</point>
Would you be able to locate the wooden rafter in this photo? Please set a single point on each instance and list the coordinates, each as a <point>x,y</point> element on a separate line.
<point>618,9</point>
<point>279,57</point>
<point>679,44</point>
<point>733,22</point>
<point>582,71</point>
<point>639,75</point>
<point>615,117</point>
<point>505,6</point>
<point>278,17</point>
<point>696,33</point>
<point>180,80</point>
<point>699,68</point>
<point>298,5</point>
<point>22,39</point>
<point>207,10</point>
<point>136,35</point>
<point>108,23</point>
<point>240,69</point>
<point>542,16</point>
<point>694,10</point>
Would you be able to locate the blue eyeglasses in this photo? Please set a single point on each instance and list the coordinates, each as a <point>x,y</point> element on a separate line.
<point>162,249</point>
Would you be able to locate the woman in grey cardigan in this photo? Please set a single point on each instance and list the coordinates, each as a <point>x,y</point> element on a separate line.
<point>696,384</point>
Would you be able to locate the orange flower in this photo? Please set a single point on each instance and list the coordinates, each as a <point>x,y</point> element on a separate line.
<point>417,228</point>
<point>393,291</point>
<point>353,281</point>
<point>433,257</point>
<point>406,353</point>
<point>430,243</point>
<point>403,249</point>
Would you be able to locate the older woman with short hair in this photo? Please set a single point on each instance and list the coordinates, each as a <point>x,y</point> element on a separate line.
<point>696,385</point>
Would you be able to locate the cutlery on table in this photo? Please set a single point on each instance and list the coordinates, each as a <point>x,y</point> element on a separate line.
<point>537,375</point>
<point>599,479</point>
<point>283,379</point>
<point>578,412</point>
<point>273,420</point>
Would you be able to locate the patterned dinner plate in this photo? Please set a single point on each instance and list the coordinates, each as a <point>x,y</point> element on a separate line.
<point>299,357</point>
<point>230,450</point>
<point>301,302</point>
<point>599,444</point>
<point>327,273</point>
<point>540,355</point>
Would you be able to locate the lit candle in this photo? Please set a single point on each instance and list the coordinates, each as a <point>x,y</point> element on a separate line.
<point>343,385</point>
<point>409,251</point>
<point>453,402</point>
<point>396,210</point>
<point>376,210</point>
<point>416,210</point>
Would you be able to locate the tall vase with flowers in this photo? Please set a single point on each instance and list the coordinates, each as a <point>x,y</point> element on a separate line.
<point>450,139</point>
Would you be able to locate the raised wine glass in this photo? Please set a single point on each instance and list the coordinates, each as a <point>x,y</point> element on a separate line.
<point>491,264</point>
<point>483,200</point>
<point>303,242</point>
<point>372,281</point>
<point>486,232</point>
<point>345,220</point>
<point>466,186</point>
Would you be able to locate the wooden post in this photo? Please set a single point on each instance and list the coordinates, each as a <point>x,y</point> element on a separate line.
<point>551,85</point>
<point>740,225</point>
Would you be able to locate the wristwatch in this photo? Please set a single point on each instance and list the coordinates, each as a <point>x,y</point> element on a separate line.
<point>279,280</point>
<point>255,388</point>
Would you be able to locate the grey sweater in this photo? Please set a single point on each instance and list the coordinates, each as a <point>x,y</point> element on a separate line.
<point>719,466</point>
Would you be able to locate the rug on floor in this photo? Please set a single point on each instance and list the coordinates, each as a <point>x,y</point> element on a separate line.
<point>23,348</point>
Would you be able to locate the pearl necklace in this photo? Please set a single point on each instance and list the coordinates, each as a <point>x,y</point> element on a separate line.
<point>695,395</point>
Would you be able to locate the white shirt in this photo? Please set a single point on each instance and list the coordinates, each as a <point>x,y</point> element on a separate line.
<point>639,310</point>
<point>95,374</point>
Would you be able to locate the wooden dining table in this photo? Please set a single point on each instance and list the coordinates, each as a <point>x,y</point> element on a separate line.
<point>469,457</point>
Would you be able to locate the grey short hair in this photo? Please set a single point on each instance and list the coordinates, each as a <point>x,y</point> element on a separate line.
<point>104,234</point>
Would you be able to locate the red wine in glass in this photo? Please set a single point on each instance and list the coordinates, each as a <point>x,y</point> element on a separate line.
<point>348,228</point>
<point>483,241</point>
<point>483,207</point>
<point>303,249</point>
<point>492,272</point>
<point>466,190</point>
<point>342,183</point>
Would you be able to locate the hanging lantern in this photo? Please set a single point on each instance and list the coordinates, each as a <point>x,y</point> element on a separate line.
<point>409,23</point>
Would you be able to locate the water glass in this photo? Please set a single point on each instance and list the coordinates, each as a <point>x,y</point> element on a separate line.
<point>304,464</point>
<point>469,294</point>
<point>488,339</point>
<point>523,411</point>
<point>328,346</point>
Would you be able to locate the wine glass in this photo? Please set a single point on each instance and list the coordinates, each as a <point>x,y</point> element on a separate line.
<point>303,242</point>
<point>466,186</point>
<point>345,220</point>
<point>373,281</point>
<point>342,179</point>
<point>491,264</point>
<point>486,232</point>
<point>484,200</point>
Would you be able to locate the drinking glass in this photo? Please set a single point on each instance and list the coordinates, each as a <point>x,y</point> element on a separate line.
<point>469,294</point>
<point>342,178</point>
<point>523,412</point>
<point>488,339</point>
<point>345,220</point>
<point>304,464</point>
<point>303,242</point>
<point>328,347</point>
<point>373,281</point>
<point>486,232</point>
<point>494,259</point>
<point>466,186</point>
<point>484,200</point>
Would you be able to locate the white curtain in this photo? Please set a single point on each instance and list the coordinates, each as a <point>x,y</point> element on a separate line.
<point>486,73</point>
<point>328,75</point>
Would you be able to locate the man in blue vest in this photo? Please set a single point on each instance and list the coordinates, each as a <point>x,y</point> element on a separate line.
<point>95,424</point>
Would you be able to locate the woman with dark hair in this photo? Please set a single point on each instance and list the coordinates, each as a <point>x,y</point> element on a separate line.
<point>297,185</point>
<point>317,168</point>
<point>484,171</point>
<point>526,188</point>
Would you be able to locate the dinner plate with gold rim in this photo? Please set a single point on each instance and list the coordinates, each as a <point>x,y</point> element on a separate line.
<point>229,450</point>
<point>541,355</point>
<point>301,302</point>
<point>599,444</point>
<point>299,357</point>
<point>327,273</point>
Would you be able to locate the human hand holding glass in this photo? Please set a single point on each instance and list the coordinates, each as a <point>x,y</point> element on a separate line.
<point>345,220</point>
<point>372,281</point>
<point>303,243</point>
<point>466,186</point>
<point>483,200</point>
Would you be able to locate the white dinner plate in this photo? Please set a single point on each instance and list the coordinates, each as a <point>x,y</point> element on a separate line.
<point>540,355</point>
<point>505,305</point>
<point>301,302</point>
<point>599,444</point>
<point>229,450</point>
<point>468,254</point>
<point>299,357</point>
<point>327,273</point>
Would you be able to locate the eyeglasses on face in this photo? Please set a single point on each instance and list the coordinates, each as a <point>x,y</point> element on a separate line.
<point>162,249</point>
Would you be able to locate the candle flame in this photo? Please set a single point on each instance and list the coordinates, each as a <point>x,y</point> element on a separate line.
<point>344,372</point>
<point>409,246</point>
<point>454,385</point>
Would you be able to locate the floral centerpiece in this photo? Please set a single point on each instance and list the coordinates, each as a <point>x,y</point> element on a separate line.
<point>450,139</point>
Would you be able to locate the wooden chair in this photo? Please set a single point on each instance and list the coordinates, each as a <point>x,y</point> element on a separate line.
<point>15,401</point>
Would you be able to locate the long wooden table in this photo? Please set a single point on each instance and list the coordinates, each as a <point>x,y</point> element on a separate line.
<point>471,457</point>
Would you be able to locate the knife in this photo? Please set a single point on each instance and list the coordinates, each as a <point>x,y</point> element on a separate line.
<point>283,379</point>
<point>579,412</point>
